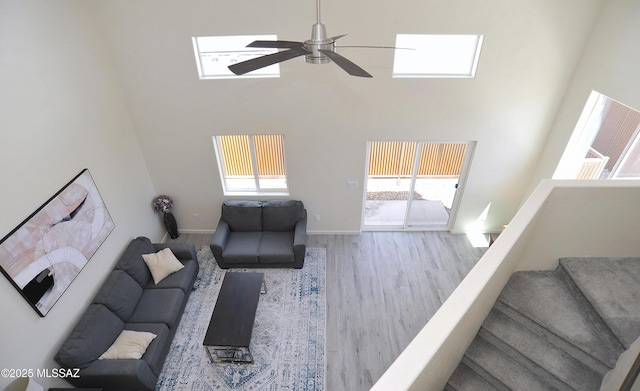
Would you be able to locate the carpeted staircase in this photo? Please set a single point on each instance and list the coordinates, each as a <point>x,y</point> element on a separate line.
<point>555,330</point>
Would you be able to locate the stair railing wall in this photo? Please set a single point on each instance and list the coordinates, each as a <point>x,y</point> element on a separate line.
<point>586,219</point>
<point>431,357</point>
<point>560,219</point>
<point>625,375</point>
<point>631,379</point>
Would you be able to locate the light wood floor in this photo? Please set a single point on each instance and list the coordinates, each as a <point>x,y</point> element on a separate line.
<point>382,288</point>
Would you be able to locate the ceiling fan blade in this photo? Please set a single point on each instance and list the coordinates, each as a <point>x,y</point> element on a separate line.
<point>345,64</point>
<point>373,47</point>
<point>275,44</point>
<point>260,62</point>
<point>338,37</point>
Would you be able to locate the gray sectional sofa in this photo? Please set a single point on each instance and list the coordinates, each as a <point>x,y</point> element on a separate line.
<point>130,300</point>
<point>261,234</point>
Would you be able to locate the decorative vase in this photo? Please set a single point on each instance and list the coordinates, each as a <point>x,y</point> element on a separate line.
<point>171,225</point>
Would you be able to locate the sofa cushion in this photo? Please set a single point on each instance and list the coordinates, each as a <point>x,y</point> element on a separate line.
<point>156,352</point>
<point>162,264</point>
<point>276,247</point>
<point>129,345</point>
<point>117,374</point>
<point>182,279</point>
<point>243,216</point>
<point>182,251</point>
<point>159,306</point>
<point>242,247</point>
<point>281,215</point>
<point>131,260</point>
<point>95,332</point>
<point>120,294</point>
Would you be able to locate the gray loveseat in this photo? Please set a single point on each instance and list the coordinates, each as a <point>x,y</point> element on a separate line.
<point>130,300</point>
<point>261,234</point>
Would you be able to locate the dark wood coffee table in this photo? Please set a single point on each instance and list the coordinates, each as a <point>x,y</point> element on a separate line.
<point>229,333</point>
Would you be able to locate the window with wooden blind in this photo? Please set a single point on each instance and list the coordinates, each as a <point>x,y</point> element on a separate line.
<point>251,164</point>
<point>605,143</point>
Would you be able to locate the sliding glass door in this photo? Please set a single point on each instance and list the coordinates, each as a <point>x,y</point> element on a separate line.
<point>412,185</point>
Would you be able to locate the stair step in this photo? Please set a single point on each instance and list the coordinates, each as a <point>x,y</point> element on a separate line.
<point>544,302</point>
<point>501,370</point>
<point>612,286</point>
<point>541,357</point>
<point>596,365</point>
<point>466,379</point>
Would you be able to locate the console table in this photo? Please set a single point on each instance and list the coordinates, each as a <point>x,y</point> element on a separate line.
<point>229,333</point>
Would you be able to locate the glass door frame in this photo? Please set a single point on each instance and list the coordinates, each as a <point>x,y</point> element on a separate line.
<point>405,226</point>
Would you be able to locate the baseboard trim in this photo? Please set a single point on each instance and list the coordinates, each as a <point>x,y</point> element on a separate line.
<point>197,231</point>
<point>311,232</point>
<point>321,232</point>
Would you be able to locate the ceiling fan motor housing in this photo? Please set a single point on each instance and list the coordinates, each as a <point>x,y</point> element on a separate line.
<point>318,41</point>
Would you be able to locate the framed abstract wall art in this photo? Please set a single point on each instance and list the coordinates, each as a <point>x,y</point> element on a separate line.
<point>45,253</point>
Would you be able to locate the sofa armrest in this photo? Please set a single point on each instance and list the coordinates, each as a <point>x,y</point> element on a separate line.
<point>116,374</point>
<point>300,231</point>
<point>219,240</point>
<point>182,251</point>
<point>300,239</point>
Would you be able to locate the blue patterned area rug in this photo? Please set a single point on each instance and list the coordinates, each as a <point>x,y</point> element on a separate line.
<point>288,342</point>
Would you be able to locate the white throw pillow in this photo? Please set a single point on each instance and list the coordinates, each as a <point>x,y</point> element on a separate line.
<point>129,344</point>
<point>162,264</point>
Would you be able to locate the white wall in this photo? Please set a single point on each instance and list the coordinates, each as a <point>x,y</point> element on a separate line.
<point>576,212</point>
<point>609,65</point>
<point>327,117</point>
<point>62,110</point>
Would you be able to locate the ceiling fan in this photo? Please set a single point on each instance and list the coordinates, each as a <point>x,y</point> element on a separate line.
<point>318,50</point>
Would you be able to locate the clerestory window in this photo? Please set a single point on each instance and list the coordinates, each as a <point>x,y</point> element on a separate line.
<point>437,55</point>
<point>215,54</point>
<point>251,164</point>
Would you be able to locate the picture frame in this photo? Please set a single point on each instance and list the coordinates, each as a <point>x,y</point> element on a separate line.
<point>44,254</point>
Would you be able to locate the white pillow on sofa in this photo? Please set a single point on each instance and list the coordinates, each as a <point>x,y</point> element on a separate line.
<point>129,344</point>
<point>162,264</point>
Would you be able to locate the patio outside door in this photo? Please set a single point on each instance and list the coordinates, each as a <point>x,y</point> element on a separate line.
<point>412,185</point>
